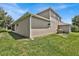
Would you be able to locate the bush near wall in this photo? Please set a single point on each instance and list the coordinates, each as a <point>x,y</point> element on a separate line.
<point>3,30</point>
<point>75,28</point>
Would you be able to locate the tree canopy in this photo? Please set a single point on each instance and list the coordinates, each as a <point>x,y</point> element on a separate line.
<point>75,23</point>
<point>5,19</point>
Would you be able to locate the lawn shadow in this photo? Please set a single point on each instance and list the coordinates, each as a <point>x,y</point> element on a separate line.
<point>17,36</point>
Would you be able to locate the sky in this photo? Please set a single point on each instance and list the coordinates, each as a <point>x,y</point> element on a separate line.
<point>66,10</point>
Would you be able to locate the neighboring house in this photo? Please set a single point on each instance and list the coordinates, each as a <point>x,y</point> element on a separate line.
<point>43,23</point>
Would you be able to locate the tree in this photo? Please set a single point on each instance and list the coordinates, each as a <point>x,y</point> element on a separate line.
<point>2,16</point>
<point>8,21</point>
<point>75,24</point>
<point>75,21</point>
<point>5,20</point>
<point>75,28</point>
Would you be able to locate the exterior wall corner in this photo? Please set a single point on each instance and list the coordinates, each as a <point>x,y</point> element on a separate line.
<point>30,27</point>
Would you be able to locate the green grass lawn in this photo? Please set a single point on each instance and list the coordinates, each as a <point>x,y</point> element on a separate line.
<point>51,45</point>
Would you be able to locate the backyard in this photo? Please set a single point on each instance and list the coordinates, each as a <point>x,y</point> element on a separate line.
<point>12,44</point>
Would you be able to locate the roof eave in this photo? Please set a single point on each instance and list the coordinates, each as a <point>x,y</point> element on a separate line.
<point>20,19</point>
<point>40,17</point>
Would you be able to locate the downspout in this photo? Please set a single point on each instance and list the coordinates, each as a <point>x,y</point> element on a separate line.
<point>50,17</point>
<point>50,14</point>
<point>59,21</point>
<point>30,27</point>
<point>69,28</point>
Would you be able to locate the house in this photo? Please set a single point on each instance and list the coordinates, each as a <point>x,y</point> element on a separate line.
<point>43,23</point>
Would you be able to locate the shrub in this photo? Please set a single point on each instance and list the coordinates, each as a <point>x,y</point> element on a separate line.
<point>2,30</point>
<point>75,28</point>
<point>60,31</point>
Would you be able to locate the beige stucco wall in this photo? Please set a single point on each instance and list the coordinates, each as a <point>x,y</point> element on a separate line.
<point>39,23</point>
<point>41,32</point>
<point>44,14</point>
<point>54,19</point>
<point>54,15</point>
<point>42,27</point>
<point>54,24</point>
<point>39,27</point>
<point>65,28</point>
<point>23,27</point>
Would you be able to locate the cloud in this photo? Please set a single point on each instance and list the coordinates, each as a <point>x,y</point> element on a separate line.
<point>41,9</point>
<point>68,20</point>
<point>64,6</point>
<point>13,9</point>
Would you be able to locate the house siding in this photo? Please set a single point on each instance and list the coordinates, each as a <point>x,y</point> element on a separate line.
<point>41,32</point>
<point>44,14</point>
<point>65,28</point>
<point>39,27</point>
<point>54,24</point>
<point>23,28</point>
<point>39,23</point>
<point>34,26</point>
<point>54,19</point>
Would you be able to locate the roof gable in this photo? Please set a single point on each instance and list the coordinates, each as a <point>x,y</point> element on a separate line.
<point>49,9</point>
<point>28,15</point>
<point>22,17</point>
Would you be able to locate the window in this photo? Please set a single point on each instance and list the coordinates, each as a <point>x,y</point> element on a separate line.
<point>16,24</point>
<point>49,24</point>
